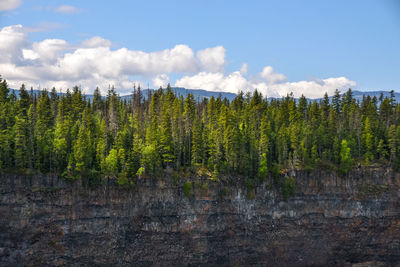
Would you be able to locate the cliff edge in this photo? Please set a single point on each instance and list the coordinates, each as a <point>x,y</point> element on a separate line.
<point>329,220</point>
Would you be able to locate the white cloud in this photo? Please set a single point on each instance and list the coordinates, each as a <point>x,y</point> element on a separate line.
<point>161,80</point>
<point>271,76</point>
<point>244,68</point>
<point>84,62</point>
<point>67,9</point>
<point>30,54</point>
<point>9,4</point>
<point>235,81</point>
<point>217,81</point>
<point>212,59</point>
<point>55,62</point>
<point>314,89</point>
<point>50,50</point>
<point>12,40</point>
<point>96,41</point>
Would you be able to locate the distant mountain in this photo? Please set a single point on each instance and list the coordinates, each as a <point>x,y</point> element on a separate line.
<point>199,94</point>
<point>358,95</point>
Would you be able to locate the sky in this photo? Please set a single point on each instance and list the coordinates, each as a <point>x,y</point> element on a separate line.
<point>305,47</point>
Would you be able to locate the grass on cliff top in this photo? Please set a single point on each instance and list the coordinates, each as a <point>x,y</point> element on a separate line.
<point>371,190</point>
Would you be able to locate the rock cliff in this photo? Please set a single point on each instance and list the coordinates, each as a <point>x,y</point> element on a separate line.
<point>328,221</point>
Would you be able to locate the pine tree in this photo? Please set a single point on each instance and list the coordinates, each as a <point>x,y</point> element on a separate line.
<point>82,147</point>
<point>44,132</point>
<point>166,142</point>
<point>250,136</point>
<point>368,139</point>
<point>263,169</point>
<point>336,103</point>
<point>188,115</point>
<point>381,150</point>
<point>112,163</point>
<point>4,91</point>
<point>98,103</point>
<point>60,143</point>
<point>392,142</point>
<point>345,158</point>
<point>21,151</point>
<point>24,102</point>
<point>150,160</point>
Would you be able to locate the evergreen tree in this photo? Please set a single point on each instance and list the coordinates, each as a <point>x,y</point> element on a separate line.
<point>166,142</point>
<point>345,158</point>
<point>44,132</point>
<point>368,139</point>
<point>21,152</point>
<point>82,148</point>
<point>250,136</point>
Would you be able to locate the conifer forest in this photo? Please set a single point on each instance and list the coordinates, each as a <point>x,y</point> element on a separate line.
<point>252,136</point>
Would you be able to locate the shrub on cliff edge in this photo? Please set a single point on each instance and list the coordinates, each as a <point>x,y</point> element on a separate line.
<point>187,187</point>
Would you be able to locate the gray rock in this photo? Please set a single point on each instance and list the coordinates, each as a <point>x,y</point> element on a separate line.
<point>329,221</point>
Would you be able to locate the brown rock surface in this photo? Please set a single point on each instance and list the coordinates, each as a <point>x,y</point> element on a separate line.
<point>329,221</point>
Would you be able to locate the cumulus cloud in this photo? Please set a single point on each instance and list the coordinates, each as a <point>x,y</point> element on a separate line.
<point>212,59</point>
<point>96,41</point>
<point>67,9</point>
<point>29,54</point>
<point>93,63</point>
<point>12,40</point>
<point>235,82</point>
<point>314,89</point>
<point>244,68</point>
<point>271,76</point>
<point>50,50</point>
<point>55,62</point>
<point>161,80</point>
<point>269,83</point>
<point>9,4</point>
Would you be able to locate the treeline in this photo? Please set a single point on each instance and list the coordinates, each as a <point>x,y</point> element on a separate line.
<point>250,136</point>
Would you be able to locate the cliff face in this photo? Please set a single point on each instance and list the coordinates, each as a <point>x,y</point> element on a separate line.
<point>329,221</point>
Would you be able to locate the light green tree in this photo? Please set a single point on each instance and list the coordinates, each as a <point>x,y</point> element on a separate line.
<point>346,160</point>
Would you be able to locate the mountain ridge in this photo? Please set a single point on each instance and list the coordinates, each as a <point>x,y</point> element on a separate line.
<point>199,94</point>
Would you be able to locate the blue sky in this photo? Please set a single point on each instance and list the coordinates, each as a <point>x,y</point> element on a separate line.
<point>305,41</point>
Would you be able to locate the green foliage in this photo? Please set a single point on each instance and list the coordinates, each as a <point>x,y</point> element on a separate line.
<point>112,163</point>
<point>150,159</point>
<point>346,160</point>
<point>249,184</point>
<point>215,174</point>
<point>371,190</point>
<point>204,187</point>
<point>249,137</point>
<point>20,142</point>
<point>288,188</point>
<point>93,178</point>
<point>187,188</point>
<point>368,139</point>
<point>140,171</point>
<point>263,168</point>
<point>275,173</point>
<point>224,192</point>
<point>175,178</point>
<point>382,150</point>
<point>123,181</point>
<point>250,189</point>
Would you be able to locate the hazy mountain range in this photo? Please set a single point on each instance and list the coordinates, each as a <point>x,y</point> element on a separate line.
<point>199,94</point>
